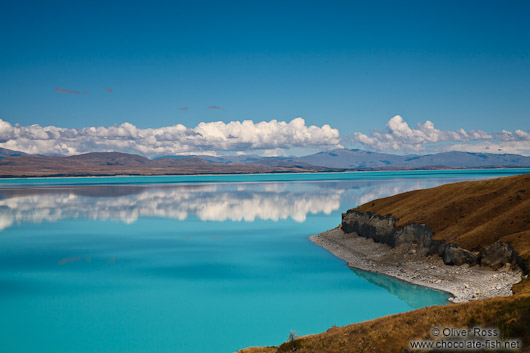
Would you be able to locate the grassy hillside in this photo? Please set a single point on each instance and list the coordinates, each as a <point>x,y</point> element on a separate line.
<point>393,333</point>
<point>472,214</point>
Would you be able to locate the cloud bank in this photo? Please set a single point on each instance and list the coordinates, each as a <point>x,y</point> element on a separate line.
<point>172,140</point>
<point>270,138</point>
<point>400,137</point>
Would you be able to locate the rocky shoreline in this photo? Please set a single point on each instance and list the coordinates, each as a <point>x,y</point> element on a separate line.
<point>382,229</point>
<point>412,263</point>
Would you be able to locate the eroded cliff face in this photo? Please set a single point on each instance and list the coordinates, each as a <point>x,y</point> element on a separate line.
<point>382,229</point>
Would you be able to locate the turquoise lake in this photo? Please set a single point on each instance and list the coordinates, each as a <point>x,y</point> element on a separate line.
<point>189,263</point>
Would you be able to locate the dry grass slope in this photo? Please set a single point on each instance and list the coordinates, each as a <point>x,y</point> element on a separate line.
<point>472,214</point>
<point>393,333</point>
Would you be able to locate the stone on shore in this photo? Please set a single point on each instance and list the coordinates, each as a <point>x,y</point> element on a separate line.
<point>454,255</point>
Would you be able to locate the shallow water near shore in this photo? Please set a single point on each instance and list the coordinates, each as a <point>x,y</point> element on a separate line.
<point>189,264</point>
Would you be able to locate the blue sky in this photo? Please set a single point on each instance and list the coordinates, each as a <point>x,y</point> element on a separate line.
<point>350,64</point>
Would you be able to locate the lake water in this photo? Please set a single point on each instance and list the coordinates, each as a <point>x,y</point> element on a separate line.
<point>189,264</point>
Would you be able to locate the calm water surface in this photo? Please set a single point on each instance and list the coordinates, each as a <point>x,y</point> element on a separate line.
<point>189,264</point>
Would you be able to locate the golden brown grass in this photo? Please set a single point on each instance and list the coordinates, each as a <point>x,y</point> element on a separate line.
<point>472,214</point>
<point>522,287</point>
<point>393,333</point>
<point>260,350</point>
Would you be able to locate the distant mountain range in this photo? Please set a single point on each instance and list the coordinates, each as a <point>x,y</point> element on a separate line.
<point>360,159</point>
<point>115,163</point>
<point>365,159</point>
<point>4,152</point>
<point>18,164</point>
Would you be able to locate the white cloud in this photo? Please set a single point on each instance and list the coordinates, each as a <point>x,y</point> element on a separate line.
<point>270,138</point>
<point>400,137</point>
<point>277,152</point>
<point>518,135</point>
<point>515,147</point>
<point>178,139</point>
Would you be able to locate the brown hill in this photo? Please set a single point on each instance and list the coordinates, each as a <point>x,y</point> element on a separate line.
<point>392,334</point>
<point>471,214</point>
<point>114,163</point>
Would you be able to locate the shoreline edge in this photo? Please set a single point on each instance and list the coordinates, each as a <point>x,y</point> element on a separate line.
<point>465,283</point>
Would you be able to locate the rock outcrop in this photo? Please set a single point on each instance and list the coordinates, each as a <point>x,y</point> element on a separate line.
<point>382,229</point>
<point>496,255</point>
<point>455,255</point>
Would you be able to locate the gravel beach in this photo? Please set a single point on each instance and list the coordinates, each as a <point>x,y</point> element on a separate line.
<point>411,264</point>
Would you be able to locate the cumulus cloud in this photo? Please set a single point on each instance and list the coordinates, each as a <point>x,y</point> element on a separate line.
<point>178,139</point>
<point>277,152</point>
<point>515,147</point>
<point>67,91</point>
<point>400,137</point>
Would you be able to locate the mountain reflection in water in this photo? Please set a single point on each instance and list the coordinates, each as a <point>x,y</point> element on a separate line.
<point>208,202</point>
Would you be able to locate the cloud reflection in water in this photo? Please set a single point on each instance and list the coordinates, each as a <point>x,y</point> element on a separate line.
<point>208,202</point>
